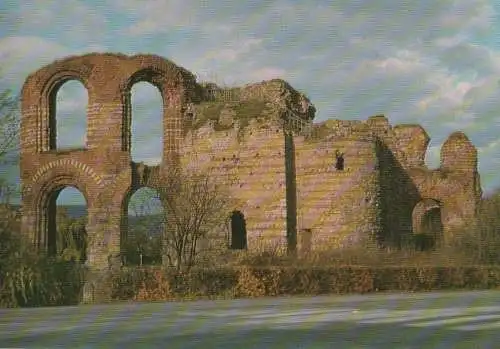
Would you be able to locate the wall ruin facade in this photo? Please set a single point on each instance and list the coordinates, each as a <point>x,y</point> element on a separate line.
<point>282,164</point>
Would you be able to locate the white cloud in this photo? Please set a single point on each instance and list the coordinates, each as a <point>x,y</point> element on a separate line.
<point>416,61</point>
<point>71,20</point>
<point>433,157</point>
<point>22,55</point>
<point>267,73</point>
<point>234,50</point>
<point>156,16</point>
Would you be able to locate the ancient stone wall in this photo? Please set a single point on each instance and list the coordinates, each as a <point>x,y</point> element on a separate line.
<point>254,169</point>
<point>406,182</point>
<point>336,207</point>
<point>102,170</point>
<point>243,137</point>
<point>243,142</point>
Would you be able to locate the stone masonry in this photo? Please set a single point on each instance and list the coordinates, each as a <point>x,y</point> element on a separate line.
<point>262,137</point>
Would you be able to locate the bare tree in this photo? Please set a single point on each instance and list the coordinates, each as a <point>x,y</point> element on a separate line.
<point>196,204</point>
<point>142,244</point>
<point>9,140</point>
<point>9,126</point>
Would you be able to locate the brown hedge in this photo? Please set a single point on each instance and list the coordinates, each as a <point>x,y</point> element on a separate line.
<point>144,283</point>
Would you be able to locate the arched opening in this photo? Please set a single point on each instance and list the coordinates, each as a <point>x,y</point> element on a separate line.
<point>68,116</point>
<point>66,220</point>
<point>238,231</point>
<point>427,224</point>
<point>339,161</point>
<point>146,123</point>
<point>142,228</point>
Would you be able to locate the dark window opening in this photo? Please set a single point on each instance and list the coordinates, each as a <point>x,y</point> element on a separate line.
<point>427,225</point>
<point>238,231</point>
<point>306,240</point>
<point>431,229</point>
<point>339,164</point>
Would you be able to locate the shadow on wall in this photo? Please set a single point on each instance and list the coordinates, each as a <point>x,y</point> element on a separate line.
<point>399,195</point>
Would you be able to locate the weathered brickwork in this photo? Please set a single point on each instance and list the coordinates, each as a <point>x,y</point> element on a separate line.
<point>384,191</point>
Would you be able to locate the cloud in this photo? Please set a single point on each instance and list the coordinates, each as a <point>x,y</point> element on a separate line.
<point>267,73</point>
<point>147,124</point>
<point>156,16</point>
<point>22,55</point>
<point>70,21</point>
<point>433,156</point>
<point>16,54</point>
<point>427,62</point>
<point>233,51</point>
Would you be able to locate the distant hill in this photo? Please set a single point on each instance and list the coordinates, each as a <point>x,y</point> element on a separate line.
<point>151,223</point>
<point>76,211</point>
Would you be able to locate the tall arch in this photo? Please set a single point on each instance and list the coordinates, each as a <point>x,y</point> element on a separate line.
<point>427,224</point>
<point>70,117</point>
<point>102,171</point>
<point>141,226</point>
<point>38,123</point>
<point>45,204</point>
<point>238,231</point>
<point>177,87</point>
<point>67,224</point>
<point>145,122</point>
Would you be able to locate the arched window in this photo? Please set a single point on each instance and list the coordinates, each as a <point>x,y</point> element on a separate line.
<point>339,161</point>
<point>238,231</point>
<point>142,228</point>
<point>66,218</point>
<point>146,123</point>
<point>68,116</point>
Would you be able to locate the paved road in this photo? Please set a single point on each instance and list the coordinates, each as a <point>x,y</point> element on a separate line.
<point>431,320</point>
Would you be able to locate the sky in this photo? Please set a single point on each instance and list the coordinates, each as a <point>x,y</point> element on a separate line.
<point>435,63</point>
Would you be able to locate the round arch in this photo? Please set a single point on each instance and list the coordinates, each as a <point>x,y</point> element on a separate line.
<point>427,223</point>
<point>142,235</point>
<point>45,208</point>
<point>40,91</point>
<point>237,238</point>
<point>144,81</point>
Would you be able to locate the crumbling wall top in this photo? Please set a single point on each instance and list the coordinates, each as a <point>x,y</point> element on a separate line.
<point>459,154</point>
<point>263,103</point>
<point>102,67</point>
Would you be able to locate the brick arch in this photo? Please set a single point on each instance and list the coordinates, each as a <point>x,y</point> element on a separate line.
<point>124,198</point>
<point>57,175</point>
<point>176,86</point>
<point>160,72</point>
<point>427,214</point>
<point>39,94</point>
<point>45,188</point>
<point>41,204</point>
<point>69,163</point>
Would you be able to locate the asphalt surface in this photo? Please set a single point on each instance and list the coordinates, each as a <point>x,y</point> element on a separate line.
<point>426,320</point>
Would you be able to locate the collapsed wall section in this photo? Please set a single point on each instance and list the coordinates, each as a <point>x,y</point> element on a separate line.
<point>406,181</point>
